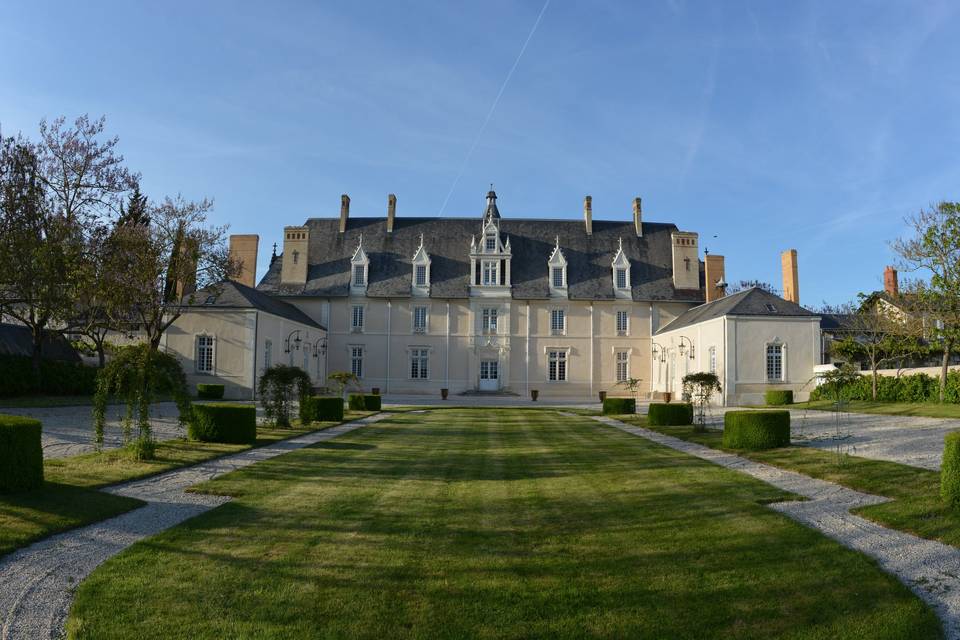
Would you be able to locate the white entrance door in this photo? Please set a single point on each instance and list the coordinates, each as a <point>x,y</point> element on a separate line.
<point>489,375</point>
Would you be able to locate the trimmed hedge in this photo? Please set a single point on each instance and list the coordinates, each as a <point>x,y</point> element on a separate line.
<point>222,422</point>
<point>57,378</point>
<point>21,455</point>
<point>665,414</point>
<point>619,406</point>
<point>755,430</point>
<point>950,470</point>
<point>209,391</point>
<point>364,402</point>
<point>776,397</point>
<point>917,387</point>
<point>321,408</point>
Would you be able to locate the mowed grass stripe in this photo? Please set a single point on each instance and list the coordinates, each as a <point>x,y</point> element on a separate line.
<point>493,524</point>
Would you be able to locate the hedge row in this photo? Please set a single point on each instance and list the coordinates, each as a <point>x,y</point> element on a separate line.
<point>950,470</point>
<point>221,422</point>
<point>666,414</point>
<point>322,408</point>
<point>57,378</point>
<point>209,391</point>
<point>917,387</point>
<point>776,397</point>
<point>363,402</point>
<point>754,430</point>
<point>619,406</point>
<point>21,456</point>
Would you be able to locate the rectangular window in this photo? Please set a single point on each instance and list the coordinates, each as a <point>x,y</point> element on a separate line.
<point>623,366</point>
<point>713,359</point>
<point>419,361</point>
<point>419,319</point>
<point>557,277</point>
<point>490,272</point>
<point>623,323</point>
<point>267,354</point>
<point>491,243</point>
<point>489,370</point>
<point>421,275</point>
<point>489,320</point>
<point>359,275</point>
<point>621,278</point>
<point>557,366</point>
<point>306,359</point>
<point>356,361</point>
<point>204,354</point>
<point>558,322</point>
<point>774,362</point>
<point>356,321</point>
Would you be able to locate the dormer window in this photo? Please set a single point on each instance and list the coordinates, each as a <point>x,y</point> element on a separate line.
<point>621,278</point>
<point>621,273</point>
<point>491,244</point>
<point>359,275</point>
<point>557,277</point>
<point>420,275</point>
<point>421,270</point>
<point>490,256</point>
<point>490,272</point>
<point>359,269</point>
<point>557,265</point>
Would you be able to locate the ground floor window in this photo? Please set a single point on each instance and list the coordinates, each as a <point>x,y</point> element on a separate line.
<point>557,366</point>
<point>419,364</point>
<point>356,361</point>
<point>204,354</point>
<point>713,359</point>
<point>623,366</point>
<point>489,370</point>
<point>775,362</point>
<point>267,354</point>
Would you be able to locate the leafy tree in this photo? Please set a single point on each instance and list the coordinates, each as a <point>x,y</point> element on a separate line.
<point>279,386</point>
<point>701,387</point>
<point>743,285</point>
<point>343,379</point>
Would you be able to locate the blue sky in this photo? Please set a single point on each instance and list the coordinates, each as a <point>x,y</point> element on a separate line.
<point>770,125</point>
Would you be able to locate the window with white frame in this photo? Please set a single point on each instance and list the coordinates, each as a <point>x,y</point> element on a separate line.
<point>623,323</point>
<point>267,354</point>
<point>558,322</point>
<point>419,363</point>
<point>621,275</point>
<point>419,319</point>
<point>356,318</point>
<point>557,365</point>
<point>204,354</point>
<point>623,366</point>
<point>359,275</point>
<point>557,276</point>
<point>420,275</point>
<point>356,361</point>
<point>490,272</point>
<point>713,359</point>
<point>488,320</point>
<point>306,360</point>
<point>774,362</point>
<point>491,244</point>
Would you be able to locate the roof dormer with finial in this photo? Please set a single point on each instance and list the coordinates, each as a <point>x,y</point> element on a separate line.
<point>490,256</point>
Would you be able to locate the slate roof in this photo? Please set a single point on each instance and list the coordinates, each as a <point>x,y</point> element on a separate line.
<point>749,302</point>
<point>447,240</point>
<point>16,340</point>
<point>233,295</point>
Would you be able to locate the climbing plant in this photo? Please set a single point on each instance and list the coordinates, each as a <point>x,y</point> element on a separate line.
<point>136,375</point>
<point>280,385</point>
<point>343,379</point>
<point>701,387</point>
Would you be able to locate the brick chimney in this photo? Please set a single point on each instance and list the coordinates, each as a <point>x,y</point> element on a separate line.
<point>715,277</point>
<point>638,216</point>
<point>791,277</point>
<point>391,211</point>
<point>243,251</point>
<point>588,214</point>
<point>344,212</point>
<point>296,243</point>
<point>890,284</point>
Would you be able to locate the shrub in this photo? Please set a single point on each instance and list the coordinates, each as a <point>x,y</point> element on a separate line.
<point>210,391</point>
<point>364,402</point>
<point>950,470</point>
<point>619,406</point>
<point>278,386</point>
<point>754,430</point>
<point>673,413</point>
<point>320,408</point>
<point>57,378</point>
<point>776,397</point>
<point>21,455</point>
<point>222,422</point>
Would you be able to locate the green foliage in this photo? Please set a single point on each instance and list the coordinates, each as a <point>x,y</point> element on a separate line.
<point>755,430</point>
<point>670,413</point>
<point>21,455</point>
<point>619,406</point>
<point>57,378</point>
<point>776,397</point>
<point>343,379</point>
<point>136,374</point>
<point>364,402</point>
<point>279,386</point>
<point>322,408</point>
<point>917,387</point>
<point>700,387</point>
<point>950,470</point>
<point>209,391</point>
<point>223,422</point>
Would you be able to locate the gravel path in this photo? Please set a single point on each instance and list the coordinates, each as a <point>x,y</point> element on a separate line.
<point>931,569</point>
<point>37,582</point>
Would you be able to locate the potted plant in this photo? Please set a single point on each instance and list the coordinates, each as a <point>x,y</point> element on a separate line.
<point>632,385</point>
<point>534,393</point>
<point>444,393</point>
<point>667,396</point>
<point>603,396</point>
<point>699,388</point>
<point>375,391</point>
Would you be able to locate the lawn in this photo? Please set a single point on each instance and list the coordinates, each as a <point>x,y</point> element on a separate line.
<point>69,496</point>
<point>493,523</point>
<point>923,409</point>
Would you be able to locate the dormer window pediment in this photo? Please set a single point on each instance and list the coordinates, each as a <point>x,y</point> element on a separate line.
<point>359,269</point>
<point>557,270</point>
<point>421,270</point>
<point>620,269</point>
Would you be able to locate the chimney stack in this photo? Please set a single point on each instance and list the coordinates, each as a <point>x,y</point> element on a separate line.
<point>296,252</point>
<point>890,284</point>
<point>391,211</point>
<point>243,252</point>
<point>715,277</point>
<point>588,214</point>
<point>791,278</point>
<point>638,216</point>
<point>344,212</point>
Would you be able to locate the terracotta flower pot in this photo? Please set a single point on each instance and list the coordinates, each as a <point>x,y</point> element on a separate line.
<point>375,391</point>
<point>667,396</point>
<point>534,393</point>
<point>444,393</point>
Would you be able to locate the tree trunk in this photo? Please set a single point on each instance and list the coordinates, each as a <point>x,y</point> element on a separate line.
<point>36,357</point>
<point>101,355</point>
<point>945,362</point>
<point>874,383</point>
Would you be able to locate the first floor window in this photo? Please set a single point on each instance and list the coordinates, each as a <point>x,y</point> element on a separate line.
<point>623,323</point>
<point>419,364</point>
<point>359,275</point>
<point>489,320</point>
<point>558,323</point>
<point>421,275</point>
<point>356,322</point>
<point>623,366</point>
<point>557,366</point>
<point>204,354</point>
<point>490,272</point>
<point>356,361</point>
<point>267,354</point>
<point>774,362</point>
<point>419,319</point>
<point>713,359</point>
<point>621,278</point>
